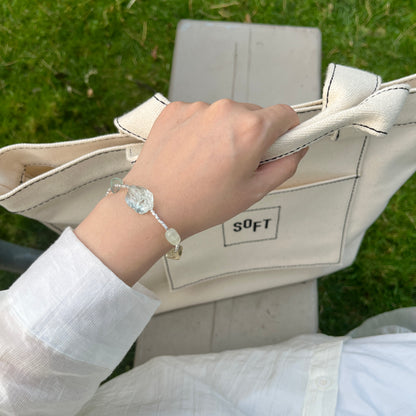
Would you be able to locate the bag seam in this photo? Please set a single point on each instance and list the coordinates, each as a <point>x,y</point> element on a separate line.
<point>378,82</point>
<point>404,124</point>
<point>128,132</point>
<point>307,111</point>
<point>369,128</point>
<point>33,164</point>
<point>236,272</point>
<point>62,144</point>
<point>60,171</point>
<point>117,122</point>
<point>298,148</point>
<point>353,191</point>
<point>158,99</point>
<point>330,85</point>
<point>72,190</point>
<point>332,131</point>
<point>383,91</point>
<point>354,178</point>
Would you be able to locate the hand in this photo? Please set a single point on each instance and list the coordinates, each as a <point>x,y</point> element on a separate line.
<point>201,161</point>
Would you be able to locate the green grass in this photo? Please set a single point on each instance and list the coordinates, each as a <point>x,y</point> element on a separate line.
<point>68,68</point>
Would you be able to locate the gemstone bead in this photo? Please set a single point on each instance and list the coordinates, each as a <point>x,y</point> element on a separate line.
<point>140,199</point>
<point>115,185</point>
<point>174,254</point>
<point>173,236</point>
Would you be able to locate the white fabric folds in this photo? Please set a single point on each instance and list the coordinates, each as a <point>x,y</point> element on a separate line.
<point>67,322</point>
<point>64,325</point>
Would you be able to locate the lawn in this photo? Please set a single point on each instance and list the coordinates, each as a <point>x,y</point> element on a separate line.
<point>68,68</point>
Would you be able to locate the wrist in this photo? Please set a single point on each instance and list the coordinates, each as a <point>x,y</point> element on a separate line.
<point>140,200</point>
<point>126,242</point>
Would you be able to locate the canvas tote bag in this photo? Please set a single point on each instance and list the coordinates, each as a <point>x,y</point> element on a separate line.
<point>362,139</point>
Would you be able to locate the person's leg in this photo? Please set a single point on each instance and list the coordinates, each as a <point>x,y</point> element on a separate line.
<point>377,373</point>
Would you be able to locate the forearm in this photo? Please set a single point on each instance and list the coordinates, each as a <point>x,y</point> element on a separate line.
<point>126,242</point>
<point>75,305</point>
<point>64,326</point>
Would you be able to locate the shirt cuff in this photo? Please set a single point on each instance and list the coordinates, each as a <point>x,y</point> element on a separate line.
<point>72,302</point>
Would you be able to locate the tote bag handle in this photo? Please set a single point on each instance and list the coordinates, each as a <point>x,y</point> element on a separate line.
<point>350,98</point>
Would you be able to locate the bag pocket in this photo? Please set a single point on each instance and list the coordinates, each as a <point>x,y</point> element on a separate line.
<point>299,227</point>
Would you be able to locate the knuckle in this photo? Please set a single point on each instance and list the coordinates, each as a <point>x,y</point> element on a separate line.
<point>175,106</point>
<point>223,104</point>
<point>198,105</point>
<point>194,108</point>
<point>252,124</point>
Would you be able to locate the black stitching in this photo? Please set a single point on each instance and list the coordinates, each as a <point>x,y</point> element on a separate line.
<point>354,178</point>
<point>317,138</point>
<point>158,99</point>
<point>64,144</point>
<point>299,111</point>
<point>308,111</point>
<point>39,164</point>
<point>63,170</point>
<point>404,124</point>
<point>354,187</point>
<point>370,128</point>
<point>378,79</point>
<point>357,170</point>
<point>128,131</point>
<point>347,213</point>
<point>298,148</point>
<point>236,272</point>
<point>329,86</point>
<point>382,92</point>
<point>72,190</point>
<point>33,164</point>
<point>326,134</point>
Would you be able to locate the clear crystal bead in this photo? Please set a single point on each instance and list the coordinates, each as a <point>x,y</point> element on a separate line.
<point>173,236</point>
<point>140,199</point>
<point>115,185</point>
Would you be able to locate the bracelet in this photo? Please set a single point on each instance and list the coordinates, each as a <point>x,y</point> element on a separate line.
<point>141,200</point>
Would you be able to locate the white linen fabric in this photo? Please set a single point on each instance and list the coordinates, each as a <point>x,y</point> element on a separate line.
<point>378,375</point>
<point>64,325</point>
<point>67,322</point>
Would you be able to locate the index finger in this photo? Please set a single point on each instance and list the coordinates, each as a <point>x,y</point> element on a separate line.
<point>279,119</point>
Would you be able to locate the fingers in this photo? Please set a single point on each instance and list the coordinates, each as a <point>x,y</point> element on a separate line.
<point>185,110</point>
<point>182,111</point>
<point>253,125</point>
<point>249,106</point>
<point>271,175</point>
<point>262,126</point>
<point>279,119</point>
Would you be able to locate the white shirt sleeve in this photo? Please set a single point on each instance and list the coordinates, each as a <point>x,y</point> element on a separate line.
<point>64,325</point>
